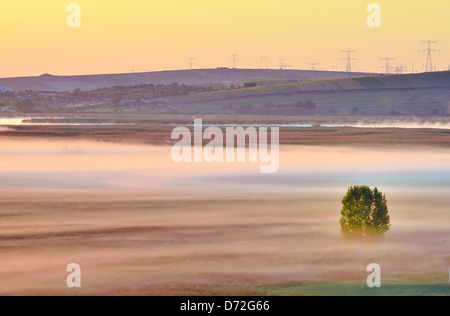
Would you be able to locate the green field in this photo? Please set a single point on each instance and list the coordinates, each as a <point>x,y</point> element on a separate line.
<point>354,289</point>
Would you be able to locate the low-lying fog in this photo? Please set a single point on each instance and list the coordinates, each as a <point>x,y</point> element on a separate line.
<point>81,164</point>
<point>138,223</point>
<point>406,122</point>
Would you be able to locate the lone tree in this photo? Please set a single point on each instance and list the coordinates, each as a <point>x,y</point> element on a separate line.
<point>364,213</point>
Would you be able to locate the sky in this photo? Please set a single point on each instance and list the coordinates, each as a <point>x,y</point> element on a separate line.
<point>119,36</point>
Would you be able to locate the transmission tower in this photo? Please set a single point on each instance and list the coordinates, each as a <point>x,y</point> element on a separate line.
<point>349,59</point>
<point>191,63</point>
<point>400,69</point>
<point>429,51</point>
<point>283,67</point>
<point>387,66</point>
<point>133,76</point>
<point>313,68</point>
<point>234,56</point>
<point>264,62</point>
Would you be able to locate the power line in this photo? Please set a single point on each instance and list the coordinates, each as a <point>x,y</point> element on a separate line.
<point>429,51</point>
<point>349,59</point>
<point>387,66</point>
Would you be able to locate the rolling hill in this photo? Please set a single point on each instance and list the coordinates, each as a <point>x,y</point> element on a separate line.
<point>49,82</point>
<point>273,92</point>
<point>414,94</point>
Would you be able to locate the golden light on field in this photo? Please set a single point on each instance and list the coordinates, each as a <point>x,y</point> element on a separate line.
<point>117,36</point>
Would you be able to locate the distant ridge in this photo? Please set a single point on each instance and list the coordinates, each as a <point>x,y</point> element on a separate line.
<point>328,86</point>
<point>48,82</point>
<point>374,82</point>
<point>408,94</point>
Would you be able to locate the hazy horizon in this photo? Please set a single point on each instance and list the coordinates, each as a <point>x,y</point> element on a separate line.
<point>175,70</point>
<point>157,35</point>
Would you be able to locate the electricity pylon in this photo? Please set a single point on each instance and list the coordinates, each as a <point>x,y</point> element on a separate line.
<point>429,51</point>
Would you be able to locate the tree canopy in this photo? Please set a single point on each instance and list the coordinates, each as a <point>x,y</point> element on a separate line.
<point>364,213</point>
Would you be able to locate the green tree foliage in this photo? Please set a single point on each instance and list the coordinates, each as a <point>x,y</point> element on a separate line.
<point>364,213</point>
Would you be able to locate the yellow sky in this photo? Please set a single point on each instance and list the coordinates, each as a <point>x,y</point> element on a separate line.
<point>118,35</point>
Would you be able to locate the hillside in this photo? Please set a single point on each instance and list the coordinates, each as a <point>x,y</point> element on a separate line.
<point>48,82</point>
<point>426,94</point>
<point>425,80</point>
<point>416,94</point>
